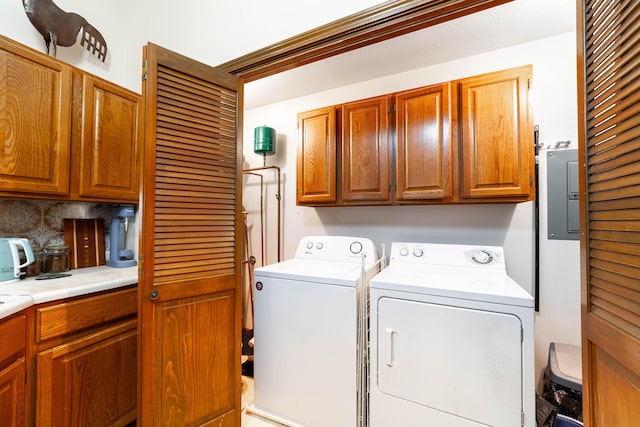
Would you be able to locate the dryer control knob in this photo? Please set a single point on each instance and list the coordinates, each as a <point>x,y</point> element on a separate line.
<point>404,252</point>
<point>310,245</point>
<point>482,257</point>
<point>355,248</point>
<point>418,253</point>
<point>319,245</point>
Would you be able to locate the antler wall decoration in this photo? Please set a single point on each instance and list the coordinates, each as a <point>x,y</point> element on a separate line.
<point>60,28</point>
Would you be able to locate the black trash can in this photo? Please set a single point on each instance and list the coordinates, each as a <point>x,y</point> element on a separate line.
<point>563,383</point>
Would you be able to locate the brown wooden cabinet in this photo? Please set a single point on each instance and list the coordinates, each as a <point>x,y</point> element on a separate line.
<point>496,135</point>
<point>365,151</point>
<point>13,371</point>
<point>35,121</point>
<point>467,141</point>
<point>65,134</point>
<point>85,360</point>
<point>105,142</point>
<point>317,157</point>
<point>424,160</point>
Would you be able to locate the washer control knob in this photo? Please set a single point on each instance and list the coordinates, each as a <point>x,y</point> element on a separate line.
<point>418,253</point>
<point>319,245</point>
<point>355,248</point>
<point>309,245</point>
<point>482,257</point>
<point>404,252</point>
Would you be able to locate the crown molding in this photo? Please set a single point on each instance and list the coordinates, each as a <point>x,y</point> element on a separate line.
<point>378,23</point>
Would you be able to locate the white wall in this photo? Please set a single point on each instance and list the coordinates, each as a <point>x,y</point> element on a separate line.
<point>508,225</point>
<point>212,32</point>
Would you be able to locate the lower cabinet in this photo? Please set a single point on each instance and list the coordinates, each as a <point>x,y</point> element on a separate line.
<point>86,360</point>
<point>13,370</point>
<point>90,381</point>
<point>12,397</point>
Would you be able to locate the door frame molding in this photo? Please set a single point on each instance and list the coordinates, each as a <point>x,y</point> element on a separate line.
<point>375,24</point>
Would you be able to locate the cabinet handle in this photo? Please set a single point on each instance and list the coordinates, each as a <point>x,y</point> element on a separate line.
<point>154,295</point>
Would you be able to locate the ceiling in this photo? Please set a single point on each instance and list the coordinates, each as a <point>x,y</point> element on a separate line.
<point>513,23</point>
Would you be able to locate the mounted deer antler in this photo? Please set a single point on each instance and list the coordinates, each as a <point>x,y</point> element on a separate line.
<point>60,28</point>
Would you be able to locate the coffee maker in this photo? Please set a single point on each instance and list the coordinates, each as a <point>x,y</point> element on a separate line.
<point>119,255</point>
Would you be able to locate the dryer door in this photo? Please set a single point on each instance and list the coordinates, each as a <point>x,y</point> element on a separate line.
<point>464,362</point>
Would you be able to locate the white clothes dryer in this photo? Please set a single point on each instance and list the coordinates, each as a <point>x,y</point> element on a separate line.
<point>306,328</point>
<point>451,340</point>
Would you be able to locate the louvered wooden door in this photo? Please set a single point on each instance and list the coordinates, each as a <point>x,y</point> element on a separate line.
<point>190,298</point>
<point>609,114</point>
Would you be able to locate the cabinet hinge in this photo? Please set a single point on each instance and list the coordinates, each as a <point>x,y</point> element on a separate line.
<point>528,83</point>
<point>145,73</point>
<point>530,180</point>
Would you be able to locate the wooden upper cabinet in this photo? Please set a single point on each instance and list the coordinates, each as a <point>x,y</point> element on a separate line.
<point>107,141</point>
<point>64,134</point>
<point>496,135</point>
<point>317,162</point>
<point>466,141</point>
<point>35,121</point>
<point>365,151</point>
<point>423,144</point>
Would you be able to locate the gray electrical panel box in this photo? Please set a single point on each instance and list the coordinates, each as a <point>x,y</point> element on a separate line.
<point>563,207</point>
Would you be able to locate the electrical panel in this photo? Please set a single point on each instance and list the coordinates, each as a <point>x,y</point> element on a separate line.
<point>563,206</point>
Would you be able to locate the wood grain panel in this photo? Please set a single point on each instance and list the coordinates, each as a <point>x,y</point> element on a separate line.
<point>68,317</point>
<point>89,381</point>
<point>609,374</point>
<point>13,336</point>
<point>497,134</point>
<point>365,162</point>
<point>195,360</point>
<point>35,121</point>
<point>109,141</point>
<point>423,144</point>
<point>12,394</point>
<point>317,156</point>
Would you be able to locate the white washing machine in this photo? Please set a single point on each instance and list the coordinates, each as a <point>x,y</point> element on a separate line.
<point>307,367</point>
<point>451,340</point>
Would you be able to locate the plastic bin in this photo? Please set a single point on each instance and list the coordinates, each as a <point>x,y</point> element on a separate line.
<point>563,421</point>
<point>563,383</point>
<point>565,365</point>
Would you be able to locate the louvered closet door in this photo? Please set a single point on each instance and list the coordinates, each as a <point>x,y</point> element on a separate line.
<point>609,83</point>
<point>190,253</point>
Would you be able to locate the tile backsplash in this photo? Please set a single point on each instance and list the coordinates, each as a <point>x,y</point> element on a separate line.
<point>41,221</point>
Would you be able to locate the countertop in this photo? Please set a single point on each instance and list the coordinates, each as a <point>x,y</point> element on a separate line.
<point>19,295</point>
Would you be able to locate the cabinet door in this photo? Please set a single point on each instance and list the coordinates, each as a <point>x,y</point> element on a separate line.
<point>316,174</point>
<point>365,151</point>
<point>496,131</point>
<point>12,397</point>
<point>35,121</point>
<point>423,144</point>
<point>108,143</point>
<point>90,381</point>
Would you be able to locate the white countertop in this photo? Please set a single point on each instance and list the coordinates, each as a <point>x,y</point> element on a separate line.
<point>19,295</point>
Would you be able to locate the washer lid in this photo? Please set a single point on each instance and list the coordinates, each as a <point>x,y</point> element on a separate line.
<point>334,273</point>
<point>455,282</point>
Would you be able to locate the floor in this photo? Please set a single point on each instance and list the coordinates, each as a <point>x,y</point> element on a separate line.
<point>249,419</point>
